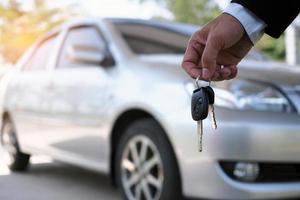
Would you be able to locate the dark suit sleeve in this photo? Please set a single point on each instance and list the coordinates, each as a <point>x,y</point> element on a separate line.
<point>277,14</point>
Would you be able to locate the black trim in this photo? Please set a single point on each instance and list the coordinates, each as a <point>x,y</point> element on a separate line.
<point>270,172</point>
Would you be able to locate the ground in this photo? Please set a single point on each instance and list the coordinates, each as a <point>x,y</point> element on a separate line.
<point>50,180</point>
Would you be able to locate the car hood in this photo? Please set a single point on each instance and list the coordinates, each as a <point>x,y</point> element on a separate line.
<point>267,71</point>
<point>167,67</point>
<point>275,72</point>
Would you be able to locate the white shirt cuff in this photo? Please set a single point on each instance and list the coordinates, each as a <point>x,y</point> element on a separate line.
<point>253,25</point>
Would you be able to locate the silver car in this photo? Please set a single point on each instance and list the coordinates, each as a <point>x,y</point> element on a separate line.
<point>109,95</point>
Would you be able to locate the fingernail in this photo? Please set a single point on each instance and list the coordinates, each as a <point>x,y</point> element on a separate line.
<point>205,73</point>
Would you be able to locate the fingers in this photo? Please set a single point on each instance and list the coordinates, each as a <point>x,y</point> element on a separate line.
<point>234,72</point>
<point>227,58</point>
<point>209,57</point>
<point>221,41</point>
<point>216,75</point>
<point>225,73</point>
<point>192,64</point>
<point>205,54</point>
<point>193,70</point>
<point>192,58</point>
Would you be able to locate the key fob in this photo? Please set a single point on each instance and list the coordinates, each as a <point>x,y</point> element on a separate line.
<point>210,94</point>
<point>199,104</point>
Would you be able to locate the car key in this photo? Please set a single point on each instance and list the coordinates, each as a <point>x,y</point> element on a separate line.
<point>211,98</point>
<point>199,110</point>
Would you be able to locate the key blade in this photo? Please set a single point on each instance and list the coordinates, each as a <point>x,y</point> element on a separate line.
<point>213,117</point>
<point>200,133</point>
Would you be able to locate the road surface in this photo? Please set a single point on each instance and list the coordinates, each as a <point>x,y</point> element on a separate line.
<point>48,180</point>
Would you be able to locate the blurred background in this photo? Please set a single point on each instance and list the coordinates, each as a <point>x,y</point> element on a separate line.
<point>22,22</point>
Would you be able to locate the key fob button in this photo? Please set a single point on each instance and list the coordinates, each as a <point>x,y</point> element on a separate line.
<point>200,100</point>
<point>199,108</point>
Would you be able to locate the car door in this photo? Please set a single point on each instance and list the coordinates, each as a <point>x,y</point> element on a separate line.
<point>81,97</point>
<point>27,95</point>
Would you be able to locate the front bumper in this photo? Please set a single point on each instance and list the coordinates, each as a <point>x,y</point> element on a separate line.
<point>241,136</point>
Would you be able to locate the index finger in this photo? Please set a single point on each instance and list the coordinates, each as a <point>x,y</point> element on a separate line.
<point>192,58</point>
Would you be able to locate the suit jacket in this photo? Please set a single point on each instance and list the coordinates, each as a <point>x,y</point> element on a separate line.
<point>276,14</point>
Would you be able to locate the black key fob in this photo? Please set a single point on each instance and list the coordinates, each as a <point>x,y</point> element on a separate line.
<point>210,94</point>
<point>199,105</point>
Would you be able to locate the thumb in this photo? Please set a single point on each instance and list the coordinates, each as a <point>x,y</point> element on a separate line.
<point>209,58</point>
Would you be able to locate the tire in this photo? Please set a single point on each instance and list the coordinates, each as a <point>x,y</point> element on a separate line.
<point>13,157</point>
<point>154,171</point>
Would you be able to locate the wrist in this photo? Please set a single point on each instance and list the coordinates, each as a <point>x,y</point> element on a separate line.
<point>253,26</point>
<point>245,36</point>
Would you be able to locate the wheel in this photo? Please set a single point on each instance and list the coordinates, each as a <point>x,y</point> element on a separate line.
<point>14,159</point>
<point>145,165</point>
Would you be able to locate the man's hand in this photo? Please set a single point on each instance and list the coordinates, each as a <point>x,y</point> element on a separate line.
<point>214,51</point>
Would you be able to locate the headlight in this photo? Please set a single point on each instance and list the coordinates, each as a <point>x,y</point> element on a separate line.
<point>250,95</point>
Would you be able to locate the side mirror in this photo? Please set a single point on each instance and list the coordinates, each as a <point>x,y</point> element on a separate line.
<point>88,54</point>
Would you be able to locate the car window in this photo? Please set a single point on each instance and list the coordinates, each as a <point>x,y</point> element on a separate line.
<point>40,57</point>
<point>87,38</point>
<point>147,39</point>
<point>147,46</point>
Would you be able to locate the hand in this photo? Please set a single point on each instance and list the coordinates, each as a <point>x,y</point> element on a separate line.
<point>214,51</point>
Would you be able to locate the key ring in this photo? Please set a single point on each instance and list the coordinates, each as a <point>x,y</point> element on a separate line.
<point>198,79</point>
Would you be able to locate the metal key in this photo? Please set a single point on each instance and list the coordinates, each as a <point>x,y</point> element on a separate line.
<point>199,108</point>
<point>211,98</point>
<point>200,134</point>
